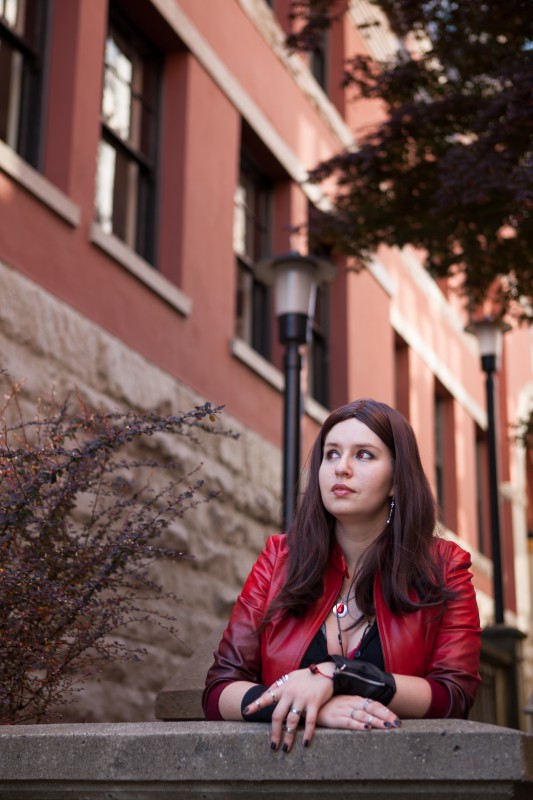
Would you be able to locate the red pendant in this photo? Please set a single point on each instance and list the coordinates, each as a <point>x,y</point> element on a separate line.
<point>340,609</point>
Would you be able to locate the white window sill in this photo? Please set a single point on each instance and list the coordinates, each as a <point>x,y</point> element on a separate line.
<point>143,271</point>
<point>316,410</point>
<point>272,375</point>
<point>39,186</point>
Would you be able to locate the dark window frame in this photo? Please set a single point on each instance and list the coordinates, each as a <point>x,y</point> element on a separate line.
<point>32,47</point>
<point>319,61</point>
<point>254,298</point>
<point>319,349</point>
<point>143,154</point>
<point>440,433</point>
<point>445,451</point>
<point>482,492</point>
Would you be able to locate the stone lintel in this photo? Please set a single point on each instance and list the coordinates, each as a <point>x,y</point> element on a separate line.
<point>429,758</point>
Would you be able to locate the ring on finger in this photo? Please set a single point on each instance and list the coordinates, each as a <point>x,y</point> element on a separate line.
<point>366,703</point>
<point>295,710</point>
<point>290,730</point>
<point>370,718</point>
<point>352,712</point>
<point>274,696</point>
<point>279,682</point>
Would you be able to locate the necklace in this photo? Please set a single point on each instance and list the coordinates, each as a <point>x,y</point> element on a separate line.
<point>339,630</point>
<point>340,609</point>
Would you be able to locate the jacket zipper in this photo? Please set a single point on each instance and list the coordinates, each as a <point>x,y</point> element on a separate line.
<point>359,677</point>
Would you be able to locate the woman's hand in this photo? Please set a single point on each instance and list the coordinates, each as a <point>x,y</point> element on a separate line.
<point>356,713</point>
<point>299,694</point>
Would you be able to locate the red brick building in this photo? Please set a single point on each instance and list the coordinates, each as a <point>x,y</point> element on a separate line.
<point>151,152</point>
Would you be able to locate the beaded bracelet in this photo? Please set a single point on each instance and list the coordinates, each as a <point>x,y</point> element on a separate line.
<point>314,669</point>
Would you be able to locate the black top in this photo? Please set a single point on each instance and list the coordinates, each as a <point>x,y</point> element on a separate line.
<point>369,649</point>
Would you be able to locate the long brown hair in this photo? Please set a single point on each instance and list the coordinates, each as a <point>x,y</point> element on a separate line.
<point>402,553</point>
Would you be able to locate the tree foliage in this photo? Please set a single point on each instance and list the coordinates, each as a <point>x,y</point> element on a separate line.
<point>450,168</point>
<point>80,527</point>
<point>524,432</point>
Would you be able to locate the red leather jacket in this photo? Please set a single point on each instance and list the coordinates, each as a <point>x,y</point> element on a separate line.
<point>440,646</point>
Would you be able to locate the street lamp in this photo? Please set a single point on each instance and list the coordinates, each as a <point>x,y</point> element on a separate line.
<point>295,279</point>
<point>489,332</point>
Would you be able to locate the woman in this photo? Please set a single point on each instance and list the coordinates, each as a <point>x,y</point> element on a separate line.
<point>360,615</point>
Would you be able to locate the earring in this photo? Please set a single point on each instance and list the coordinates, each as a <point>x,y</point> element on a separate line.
<point>392,504</point>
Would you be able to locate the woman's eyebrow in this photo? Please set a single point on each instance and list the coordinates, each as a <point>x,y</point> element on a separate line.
<point>359,445</point>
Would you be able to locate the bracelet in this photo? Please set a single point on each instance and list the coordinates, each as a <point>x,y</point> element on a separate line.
<point>314,669</point>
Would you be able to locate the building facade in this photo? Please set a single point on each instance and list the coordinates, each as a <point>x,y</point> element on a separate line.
<point>151,152</point>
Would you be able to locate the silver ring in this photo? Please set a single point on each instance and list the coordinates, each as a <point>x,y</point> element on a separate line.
<point>284,678</point>
<point>366,703</point>
<point>279,682</point>
<point>274,696</point>
<point>352,712</point>
<point>258,704</point>
<point>295,710</point>
<point>369,718</point>
<point>290,730</point>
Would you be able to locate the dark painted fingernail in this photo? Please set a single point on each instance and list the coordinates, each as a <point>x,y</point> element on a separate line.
<point>388,724</point>
<point>273,746</point>
<point>397,723</point>
<point>367,726</point>
<point>306,742</point>
<point>246,710</point>
<point>285,748</point>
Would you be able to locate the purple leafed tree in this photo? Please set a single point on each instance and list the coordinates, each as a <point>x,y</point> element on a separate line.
<point>450,168</point>
<point>82,521</point>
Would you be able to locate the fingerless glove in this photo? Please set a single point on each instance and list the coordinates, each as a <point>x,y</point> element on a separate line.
<point>362,678</point>
<point>262,714</point>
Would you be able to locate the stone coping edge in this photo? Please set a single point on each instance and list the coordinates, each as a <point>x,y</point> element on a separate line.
<point>422,750</point>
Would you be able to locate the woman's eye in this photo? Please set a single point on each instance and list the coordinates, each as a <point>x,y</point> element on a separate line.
<point>331,454</point>
<point>364,455</point>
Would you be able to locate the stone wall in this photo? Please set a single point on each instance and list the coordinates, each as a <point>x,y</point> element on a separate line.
<point>46,343</point>
<point>438,759</point>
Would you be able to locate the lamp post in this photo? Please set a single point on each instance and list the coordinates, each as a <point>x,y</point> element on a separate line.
<point>295,279</point>
<point>489,332</point>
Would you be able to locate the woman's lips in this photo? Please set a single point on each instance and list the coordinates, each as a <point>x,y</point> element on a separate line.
<point>340,490</point>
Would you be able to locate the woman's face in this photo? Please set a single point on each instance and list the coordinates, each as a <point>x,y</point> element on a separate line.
<point>356,474</point>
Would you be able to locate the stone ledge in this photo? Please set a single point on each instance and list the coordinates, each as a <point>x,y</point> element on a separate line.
<point>429,758</point>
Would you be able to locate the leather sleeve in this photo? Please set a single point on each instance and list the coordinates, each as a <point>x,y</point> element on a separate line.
<point>441,644</point>
<point>238,657</point>
<point>456,634</point>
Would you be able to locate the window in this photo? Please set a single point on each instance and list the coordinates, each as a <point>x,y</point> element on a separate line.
<point>126,191</point>
<point>318,352</point>
<point>445,473</point>
<point>401,376</point>
<point>482,492</point>
<point>439,451</point>
<point>23,27</point>
<point>251,242</point>
<point>318,61</point>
